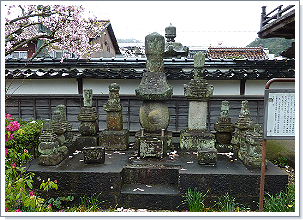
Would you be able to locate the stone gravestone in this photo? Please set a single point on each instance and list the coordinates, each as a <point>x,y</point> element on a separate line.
<point>114,137</point>
<point>154,139</point>
<point>88,127</point>
<point>52,153</point>
<point>248,139</point>
<point>196,137</point>
<point>62,128</point>
<point>224,129</point>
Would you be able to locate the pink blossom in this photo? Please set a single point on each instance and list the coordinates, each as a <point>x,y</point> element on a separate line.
<point>6,152</point>
<point>25,151</point>
<point>17,210</point>
<point>8,116</point>
<point>14,165</point>
<point>13,126</point>
<point>31,193</point>
<point>6,209</point>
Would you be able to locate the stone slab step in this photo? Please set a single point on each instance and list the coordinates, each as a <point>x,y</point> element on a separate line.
<point>163,189</point>
<point>152,197</point>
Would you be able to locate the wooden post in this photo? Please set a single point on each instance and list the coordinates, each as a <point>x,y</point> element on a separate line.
<point>263,164</point>
<point>263,16</point>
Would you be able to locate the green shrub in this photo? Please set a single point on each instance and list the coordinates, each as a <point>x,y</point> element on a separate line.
<point>27,137</point>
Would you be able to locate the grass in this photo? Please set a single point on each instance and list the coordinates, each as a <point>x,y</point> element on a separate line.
<point>281,202</point>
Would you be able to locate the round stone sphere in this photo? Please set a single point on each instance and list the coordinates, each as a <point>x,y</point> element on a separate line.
<point>154,116</point>
<point>223,137</point>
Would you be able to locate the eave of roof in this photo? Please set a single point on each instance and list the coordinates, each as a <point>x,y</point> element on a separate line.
<point>119,68</point>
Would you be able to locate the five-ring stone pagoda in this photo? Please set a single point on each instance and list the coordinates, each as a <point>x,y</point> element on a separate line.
<point>153,139</point>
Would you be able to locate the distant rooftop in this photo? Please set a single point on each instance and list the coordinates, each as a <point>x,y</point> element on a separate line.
<point>252,53</point>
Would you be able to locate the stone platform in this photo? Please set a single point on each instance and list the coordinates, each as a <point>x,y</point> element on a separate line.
<point>125,180</point>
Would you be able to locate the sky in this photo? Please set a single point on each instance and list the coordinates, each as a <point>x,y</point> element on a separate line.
<point>198,23</point>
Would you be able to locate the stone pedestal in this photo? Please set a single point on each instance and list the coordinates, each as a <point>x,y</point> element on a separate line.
<point>88,127</point>
<point>114,137</point>
<point>94,154</point>
<point>114,140</point>
<point>154,91</point>
<point>153,145</point>
<point>207,156</point>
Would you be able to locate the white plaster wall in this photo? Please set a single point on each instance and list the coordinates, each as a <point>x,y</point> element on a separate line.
<point>42,86</point>
<point>225,87</point>
<point>257,87</point>
<point>100,86</point>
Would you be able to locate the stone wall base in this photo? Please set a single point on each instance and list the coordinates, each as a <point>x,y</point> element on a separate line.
<point>114,140</point>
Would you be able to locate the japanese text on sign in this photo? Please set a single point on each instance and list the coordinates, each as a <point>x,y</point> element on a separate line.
<point>281,114</point>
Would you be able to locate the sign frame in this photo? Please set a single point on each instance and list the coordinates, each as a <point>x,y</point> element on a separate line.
<point>266,98</point>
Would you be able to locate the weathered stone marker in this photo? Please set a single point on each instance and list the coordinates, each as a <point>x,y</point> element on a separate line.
<point>62,128</point>
<point>154,91</point>
<point>114,137</point>
<point>224,129</point>
<point>248,138</point>
<point>196,137</point>
<point>88,127</point>
<point>52,153</point>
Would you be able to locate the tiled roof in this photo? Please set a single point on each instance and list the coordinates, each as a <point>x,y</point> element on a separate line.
<point>119,68</point>
<point>252,53</point>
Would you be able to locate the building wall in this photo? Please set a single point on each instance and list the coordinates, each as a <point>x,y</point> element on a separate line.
<point>107,48</point>
<point>42,86</point>
<point>127,87</point>
<point>257,87</point>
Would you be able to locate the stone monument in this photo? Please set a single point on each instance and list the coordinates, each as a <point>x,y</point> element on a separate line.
<point>114,137</point>
<point>153,139</point>
<point>224,129</point>
<point>196,137</point>
<point>172,48</point>
<point>62,128</point>
<point>51,151</point>
<point>88,127</point>
<point>248,139</point>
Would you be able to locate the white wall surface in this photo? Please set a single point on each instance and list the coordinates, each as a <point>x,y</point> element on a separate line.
<point>127,87</point>
<point>42,86</point>
<point>257,87</point>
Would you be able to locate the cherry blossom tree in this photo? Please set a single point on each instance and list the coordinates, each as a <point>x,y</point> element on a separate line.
<point>65,28</point>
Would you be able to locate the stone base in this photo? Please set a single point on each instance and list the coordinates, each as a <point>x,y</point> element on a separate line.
<point>196,139</point>
<point>86,141</point>
<point>250,162</point>
<point>153,145</point>
<point>224,148</point>
<point>50,160</point>
<point>207,156</point>
<point>114,140</point>
<point>94,154</point>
